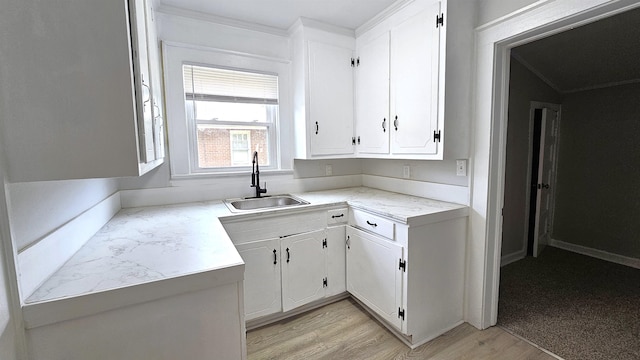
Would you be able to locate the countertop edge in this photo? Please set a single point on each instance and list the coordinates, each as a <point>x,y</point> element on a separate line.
<point>62,309</point>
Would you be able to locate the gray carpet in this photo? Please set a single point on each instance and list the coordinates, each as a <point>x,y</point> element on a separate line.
<point>575,306</point>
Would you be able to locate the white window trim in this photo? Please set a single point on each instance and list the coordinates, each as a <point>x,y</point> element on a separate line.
<point>181,152</point>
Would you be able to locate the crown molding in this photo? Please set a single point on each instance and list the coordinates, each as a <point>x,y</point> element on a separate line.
<point>381,16</point>
<point>221,20</point>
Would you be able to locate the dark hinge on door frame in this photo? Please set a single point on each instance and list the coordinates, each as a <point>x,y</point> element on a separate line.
<point>401,313</point>
<point>324,243</point>
<point>353,140</point>
<point>353,62</point>
<point>325,282</point>
<point>402,265</point>
<point>439,20</point>
<point>436,136</point>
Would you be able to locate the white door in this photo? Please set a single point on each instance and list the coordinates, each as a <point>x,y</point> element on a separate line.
<point>262,289</point>
<point>155,72</point>
<point>372,96</point>
<point>373,274</point>
<point>303,268</point>
<point>330,99</point>
<point>546,169</point>
<point>415,45</point>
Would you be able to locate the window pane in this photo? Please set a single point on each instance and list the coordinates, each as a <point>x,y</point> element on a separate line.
<point>224,111</point>
<point>229,146</point>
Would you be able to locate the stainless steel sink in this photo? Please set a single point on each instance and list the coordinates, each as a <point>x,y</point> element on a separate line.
<point>265,202</point>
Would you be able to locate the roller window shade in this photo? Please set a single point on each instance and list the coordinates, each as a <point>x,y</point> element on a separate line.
<point>214,84</point>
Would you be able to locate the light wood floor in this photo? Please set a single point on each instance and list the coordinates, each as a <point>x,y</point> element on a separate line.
<point>343,330</point>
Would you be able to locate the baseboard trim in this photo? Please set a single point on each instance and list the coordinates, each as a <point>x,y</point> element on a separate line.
<point>513,257</point>
<point>598,254</point>
<point>40,260</point>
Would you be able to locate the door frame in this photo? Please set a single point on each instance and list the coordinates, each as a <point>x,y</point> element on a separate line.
<point>558,108</point>
<point>493,43</point>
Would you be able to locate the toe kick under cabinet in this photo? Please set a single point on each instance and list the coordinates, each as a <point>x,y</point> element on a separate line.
<point>410,276</point>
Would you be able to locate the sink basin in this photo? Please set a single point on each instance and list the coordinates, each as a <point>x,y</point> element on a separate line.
<point>265,202</point>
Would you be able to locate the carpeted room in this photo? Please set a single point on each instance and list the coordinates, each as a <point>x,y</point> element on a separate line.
<point>576,306</point>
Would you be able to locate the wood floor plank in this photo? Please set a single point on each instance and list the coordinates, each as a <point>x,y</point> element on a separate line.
<point>343,330</point>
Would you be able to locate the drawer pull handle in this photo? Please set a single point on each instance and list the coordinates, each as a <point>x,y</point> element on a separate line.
<point>275,257</point>
<point>348,242</point>
<point>288,255</point>
<point>372,224</point>
<point>337,216</point>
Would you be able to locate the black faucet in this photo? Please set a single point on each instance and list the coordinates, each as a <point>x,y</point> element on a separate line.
<point>255,176</point>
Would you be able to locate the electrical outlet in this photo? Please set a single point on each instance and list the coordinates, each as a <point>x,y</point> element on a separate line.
<point>461,167</point>
<point>406,172</point>
<point>328,170</point>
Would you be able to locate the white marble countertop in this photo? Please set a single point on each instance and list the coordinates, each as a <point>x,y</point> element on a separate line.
<point>150,244</point>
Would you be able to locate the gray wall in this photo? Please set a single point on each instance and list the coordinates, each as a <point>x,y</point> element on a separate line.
<point>524,87</point>
<point>598,184</point>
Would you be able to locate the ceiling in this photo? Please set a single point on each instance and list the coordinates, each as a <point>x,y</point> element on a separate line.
<point>281,14</point>
<point>600,54</point>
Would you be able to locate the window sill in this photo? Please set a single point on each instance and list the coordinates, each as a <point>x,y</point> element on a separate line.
<point>210,178</point>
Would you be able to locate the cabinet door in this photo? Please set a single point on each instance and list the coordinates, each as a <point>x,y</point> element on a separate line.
<point>262,290</point>
<point>373,274</point>
<point>414,83</point>
<point>330,122</point>
<point>303,268</point>
<point>372,96</point>
<point>142,82</point>
<point>336,260</point>
<point>155,73</point>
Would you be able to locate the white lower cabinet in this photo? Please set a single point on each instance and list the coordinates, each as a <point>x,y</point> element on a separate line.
<point>336,260</point>
<point>373,273</point>
<point>304,273</point>
<point>262,289</point>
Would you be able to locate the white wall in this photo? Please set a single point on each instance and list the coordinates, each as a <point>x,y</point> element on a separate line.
<point>524,87</point>
<point>38,208</point>
<point>598,191</point>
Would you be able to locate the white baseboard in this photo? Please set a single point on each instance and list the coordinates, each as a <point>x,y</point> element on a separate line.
<point>443,192</point>
<point>513,257</point>
<point>598,254</point>
<point>39,261</point>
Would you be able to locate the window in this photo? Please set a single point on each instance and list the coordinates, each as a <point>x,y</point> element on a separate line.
<point>231,113</point>
<point>221,107</point>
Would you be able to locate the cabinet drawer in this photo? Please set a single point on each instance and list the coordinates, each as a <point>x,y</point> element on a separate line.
<point>372,223</point>
<point>337,216</point>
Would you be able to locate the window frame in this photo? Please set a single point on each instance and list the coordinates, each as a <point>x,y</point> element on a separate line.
<point>183,141</point>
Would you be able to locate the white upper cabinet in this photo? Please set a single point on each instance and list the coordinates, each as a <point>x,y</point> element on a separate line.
<point>414,83</point>
<point>323,91</point>
<point>78,96</point>
<point>398,112</point>
<point>372,100</point>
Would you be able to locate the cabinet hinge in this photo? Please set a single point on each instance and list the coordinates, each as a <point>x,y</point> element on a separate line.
<point>358,140</point>
<point>401,313</point>
<point>325,282</point>
<point>403,265</point>
<point>324,243</point>
<point>353,140</point>
<point>439,20</point>
<point>436,136</point>
<point>353,62</point>
<point>358,61</point>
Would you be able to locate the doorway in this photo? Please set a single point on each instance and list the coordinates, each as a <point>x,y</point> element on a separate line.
<point>493,45</point>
